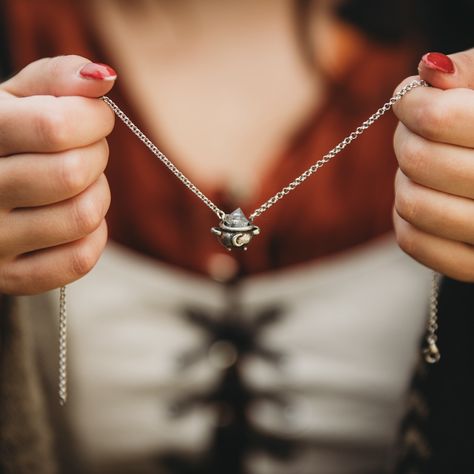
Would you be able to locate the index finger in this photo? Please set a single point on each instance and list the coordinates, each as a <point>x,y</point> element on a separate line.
<point>445,116</point>
<point>51,124</point>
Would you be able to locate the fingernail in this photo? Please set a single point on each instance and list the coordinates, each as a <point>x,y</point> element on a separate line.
<point>98,71</point>
<point>438,62</point>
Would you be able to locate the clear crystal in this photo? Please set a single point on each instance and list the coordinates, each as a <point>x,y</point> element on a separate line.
<point>236,219</point>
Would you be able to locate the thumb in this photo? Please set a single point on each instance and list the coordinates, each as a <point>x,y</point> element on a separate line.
<point>62,76</point>
<point>448,72</point>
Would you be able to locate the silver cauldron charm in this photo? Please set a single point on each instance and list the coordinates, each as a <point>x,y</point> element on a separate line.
<point>235,230</point>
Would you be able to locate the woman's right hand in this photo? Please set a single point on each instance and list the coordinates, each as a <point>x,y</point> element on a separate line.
<point>53,192</point>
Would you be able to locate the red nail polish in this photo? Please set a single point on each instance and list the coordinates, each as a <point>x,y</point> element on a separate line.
<point>438,62</point>
<point>98,71</point>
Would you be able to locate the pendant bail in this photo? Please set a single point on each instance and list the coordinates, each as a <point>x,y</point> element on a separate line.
<point>235,230</point>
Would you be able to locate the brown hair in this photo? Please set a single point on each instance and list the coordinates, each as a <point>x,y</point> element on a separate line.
<point>427,23</point>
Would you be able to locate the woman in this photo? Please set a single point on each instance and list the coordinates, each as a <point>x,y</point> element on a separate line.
<point>281,388</point>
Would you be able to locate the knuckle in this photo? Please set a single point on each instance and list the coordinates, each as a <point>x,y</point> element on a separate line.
<point>406,239</point>
<point>101,156</point>
<point>107,196</point>
<point>88,214</point>
<point>53,128</point>
<point>79,167</point>
<point>104,148</point>
<point>73,174</point>
<point>84,258</point>
<point>406,203</point>
<point>432,118</point>
<point>411,156</point>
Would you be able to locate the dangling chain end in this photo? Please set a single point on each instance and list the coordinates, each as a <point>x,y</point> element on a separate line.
<point>431,351</point>
<point>62,356</point>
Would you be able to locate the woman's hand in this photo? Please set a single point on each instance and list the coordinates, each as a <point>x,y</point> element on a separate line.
<point>53,193</point>
<point>434,144</point>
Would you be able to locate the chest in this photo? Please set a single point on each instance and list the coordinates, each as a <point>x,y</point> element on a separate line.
<point>322,355</point>
<point>221,90</point>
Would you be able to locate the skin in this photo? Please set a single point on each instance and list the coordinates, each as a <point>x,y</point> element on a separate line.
<point>434,144</point>
<point>204,82</point>
<point>54,195</point>
<point>222,86</point>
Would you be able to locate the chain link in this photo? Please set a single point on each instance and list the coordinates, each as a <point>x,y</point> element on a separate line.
<point>431,351</point>
<point>162,157</point>
<point>289,187</point>
<point>62,386</point>
<point>337,149</point>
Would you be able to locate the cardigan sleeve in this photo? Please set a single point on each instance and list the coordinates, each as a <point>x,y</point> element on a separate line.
<point>26,443</point>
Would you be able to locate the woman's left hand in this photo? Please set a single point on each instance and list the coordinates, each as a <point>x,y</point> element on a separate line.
<point>434,144</point>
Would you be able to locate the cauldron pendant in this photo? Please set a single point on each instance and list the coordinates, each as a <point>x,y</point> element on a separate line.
<point>235,230</point>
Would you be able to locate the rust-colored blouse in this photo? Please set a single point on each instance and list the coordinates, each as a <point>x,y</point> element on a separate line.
<point>347,203</point>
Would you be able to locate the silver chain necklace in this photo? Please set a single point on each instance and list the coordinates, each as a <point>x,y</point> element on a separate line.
<point>235,230</point>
